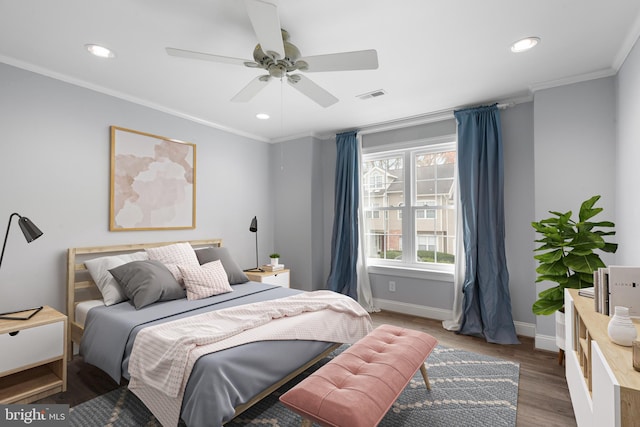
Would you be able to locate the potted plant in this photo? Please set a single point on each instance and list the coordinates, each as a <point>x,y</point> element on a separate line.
<point>567,256</point>
<point>275,258</point>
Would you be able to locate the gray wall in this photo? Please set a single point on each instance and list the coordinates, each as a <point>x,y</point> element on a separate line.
<point>298,201</point>
<point>518,140</point>
<point>575,146</point>
<point>627,160</point>
<point>54,169</point>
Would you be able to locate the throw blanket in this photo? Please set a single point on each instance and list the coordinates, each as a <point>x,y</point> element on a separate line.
<point>163,356</point>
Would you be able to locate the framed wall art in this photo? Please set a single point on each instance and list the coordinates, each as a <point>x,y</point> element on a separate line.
<point>153,182</point>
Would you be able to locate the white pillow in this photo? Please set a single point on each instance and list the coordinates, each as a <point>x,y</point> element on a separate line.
<point>174,255</point>
<point>99,270</point>
<point>205,280</point>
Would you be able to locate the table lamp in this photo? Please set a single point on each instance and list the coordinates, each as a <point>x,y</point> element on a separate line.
<point>253,227</point>
<point>31,232</point>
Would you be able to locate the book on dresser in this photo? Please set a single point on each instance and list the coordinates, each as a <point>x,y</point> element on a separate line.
<point>271,267</point>
<point>616,285</point>
<point>624,288</point>
<point>587,292</point>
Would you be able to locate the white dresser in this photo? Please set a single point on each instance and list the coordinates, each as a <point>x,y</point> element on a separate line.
<point>604,387</point>
<point>33,357</point>
<point>279,278</point>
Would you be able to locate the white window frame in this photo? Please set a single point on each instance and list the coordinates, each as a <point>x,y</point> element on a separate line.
<point>407,210</point>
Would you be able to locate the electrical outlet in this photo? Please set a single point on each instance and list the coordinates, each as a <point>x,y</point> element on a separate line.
<point>392,286</point>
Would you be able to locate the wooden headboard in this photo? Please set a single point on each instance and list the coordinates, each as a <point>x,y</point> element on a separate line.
<point>80,286</point>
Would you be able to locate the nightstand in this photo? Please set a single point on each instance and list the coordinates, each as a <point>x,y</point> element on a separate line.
<point>33,357</point>
<point>279,278</point>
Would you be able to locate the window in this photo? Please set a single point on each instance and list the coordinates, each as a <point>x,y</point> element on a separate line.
<point>377,182</point>
<point>415,193</point>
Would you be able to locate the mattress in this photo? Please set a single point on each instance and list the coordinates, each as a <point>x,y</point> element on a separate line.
<point>83,308</point>
<point>220,381</point>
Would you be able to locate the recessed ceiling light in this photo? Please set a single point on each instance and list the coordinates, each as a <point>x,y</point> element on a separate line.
<point>100,51</point>
<point>524,44</point>
<point>262,116</point>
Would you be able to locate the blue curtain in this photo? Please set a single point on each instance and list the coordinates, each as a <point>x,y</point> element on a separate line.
<point>344,241</point>
<point>486,303</point>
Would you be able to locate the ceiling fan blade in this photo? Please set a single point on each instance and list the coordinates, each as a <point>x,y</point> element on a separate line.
<point>312,90</point>
<point>345,61</point>
<point>208,57</point>
<point>266,24</point>
<point>252,89</point>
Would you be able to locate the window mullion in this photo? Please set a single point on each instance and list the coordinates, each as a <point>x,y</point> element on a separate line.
<point>408,255</point>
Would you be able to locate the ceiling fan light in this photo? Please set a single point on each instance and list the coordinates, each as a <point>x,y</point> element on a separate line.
<point>525,44</point>
<point>100,51</point>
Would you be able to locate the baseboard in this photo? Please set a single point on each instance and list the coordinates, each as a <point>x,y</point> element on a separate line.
<point>413,309</point>
<point>546,342</point>
<point>525,329</point>
<point>522,328</point>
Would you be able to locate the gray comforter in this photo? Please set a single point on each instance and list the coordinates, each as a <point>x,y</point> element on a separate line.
<point>219,381</point>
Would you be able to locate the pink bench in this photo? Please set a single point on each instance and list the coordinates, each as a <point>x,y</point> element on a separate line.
<point>357,388</point>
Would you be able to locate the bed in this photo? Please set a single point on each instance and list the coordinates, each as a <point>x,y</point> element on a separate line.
<point>222,384</point>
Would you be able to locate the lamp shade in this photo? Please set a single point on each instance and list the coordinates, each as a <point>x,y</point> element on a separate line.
<point>29,229</point>
<point>254,225</point>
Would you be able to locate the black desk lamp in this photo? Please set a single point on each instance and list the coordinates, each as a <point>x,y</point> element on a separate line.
<point>31,233</point>
<point>253,227</point>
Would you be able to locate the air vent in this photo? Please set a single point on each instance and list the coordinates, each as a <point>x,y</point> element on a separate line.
<point>374,94</point>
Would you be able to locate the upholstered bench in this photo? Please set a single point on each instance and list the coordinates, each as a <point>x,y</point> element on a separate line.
<point>357,388</point>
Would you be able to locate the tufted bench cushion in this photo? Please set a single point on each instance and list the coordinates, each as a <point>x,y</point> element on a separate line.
<point>358,387</point>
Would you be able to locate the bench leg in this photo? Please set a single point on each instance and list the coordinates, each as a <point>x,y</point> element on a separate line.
<point>306,422</point>
<point>423,371</point>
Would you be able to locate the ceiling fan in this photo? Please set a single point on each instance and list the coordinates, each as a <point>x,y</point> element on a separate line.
<point>280,58</point>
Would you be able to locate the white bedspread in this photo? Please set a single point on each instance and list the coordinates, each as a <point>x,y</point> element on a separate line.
<point>163,356</point>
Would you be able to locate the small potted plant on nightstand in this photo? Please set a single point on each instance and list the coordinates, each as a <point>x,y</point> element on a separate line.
<point>566,256</point>
<point>275,258</point>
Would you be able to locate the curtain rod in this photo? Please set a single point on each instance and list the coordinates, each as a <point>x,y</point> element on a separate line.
<point>436,116</point>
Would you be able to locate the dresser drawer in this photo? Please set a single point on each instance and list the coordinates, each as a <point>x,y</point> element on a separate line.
<point>31,346</point>
<point>279,279</point>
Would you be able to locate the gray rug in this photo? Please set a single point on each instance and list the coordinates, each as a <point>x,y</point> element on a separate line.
<point>467,389</point>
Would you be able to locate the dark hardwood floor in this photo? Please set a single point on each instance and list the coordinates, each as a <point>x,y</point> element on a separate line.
<point>543,397</point>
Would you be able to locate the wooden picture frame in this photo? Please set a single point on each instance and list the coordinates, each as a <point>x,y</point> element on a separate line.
<point>153,182</point>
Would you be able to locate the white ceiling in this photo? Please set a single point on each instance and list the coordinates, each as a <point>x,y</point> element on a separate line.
<point>433,55</point>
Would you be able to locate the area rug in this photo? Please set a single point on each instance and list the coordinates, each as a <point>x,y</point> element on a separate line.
<point>467,389</point>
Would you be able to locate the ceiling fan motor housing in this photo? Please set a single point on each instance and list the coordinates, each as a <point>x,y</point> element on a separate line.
<point>278,67</point>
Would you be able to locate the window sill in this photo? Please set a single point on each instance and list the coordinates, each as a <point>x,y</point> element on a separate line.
<point>413,273</point>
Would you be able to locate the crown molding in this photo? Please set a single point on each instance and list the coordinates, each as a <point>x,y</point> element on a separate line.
<point>100,89</point>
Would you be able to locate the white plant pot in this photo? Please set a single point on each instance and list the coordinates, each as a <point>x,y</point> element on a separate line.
<point>274,261</point>
<point>560,332</point>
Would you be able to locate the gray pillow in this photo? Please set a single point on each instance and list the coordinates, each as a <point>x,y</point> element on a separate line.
<point>145,282</point>
<point>234,272</point>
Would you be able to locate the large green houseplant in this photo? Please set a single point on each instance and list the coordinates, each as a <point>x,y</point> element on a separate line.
<point>567,254</point>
